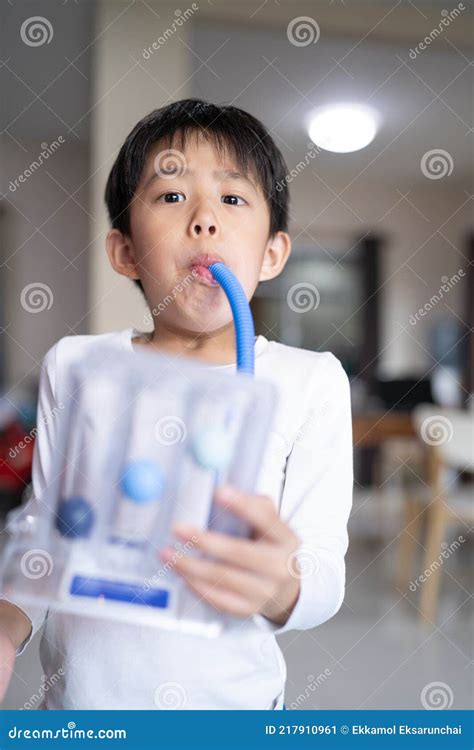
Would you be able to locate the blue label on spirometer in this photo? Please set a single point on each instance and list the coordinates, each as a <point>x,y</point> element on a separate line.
<point>118,591</point>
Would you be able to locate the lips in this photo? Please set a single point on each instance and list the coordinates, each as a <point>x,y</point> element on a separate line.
<point>199,267</point>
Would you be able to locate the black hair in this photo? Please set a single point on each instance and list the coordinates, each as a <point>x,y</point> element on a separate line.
<point>229,128</point>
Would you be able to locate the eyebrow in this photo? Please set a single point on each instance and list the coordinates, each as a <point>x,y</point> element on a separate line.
<point>219,173</point>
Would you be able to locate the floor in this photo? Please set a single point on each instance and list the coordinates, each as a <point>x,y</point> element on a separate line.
<point>373,654</point>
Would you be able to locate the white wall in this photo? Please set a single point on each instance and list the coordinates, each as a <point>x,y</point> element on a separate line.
<point>128,87</point>
<point>42,231</point>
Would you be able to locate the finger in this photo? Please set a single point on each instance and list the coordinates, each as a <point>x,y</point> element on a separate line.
<point>261,557</point>
<point>215,574</point>
<point>225,601</point>
<point>257,510</point>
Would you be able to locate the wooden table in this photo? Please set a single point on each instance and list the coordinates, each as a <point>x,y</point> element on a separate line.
<point>371,429</point>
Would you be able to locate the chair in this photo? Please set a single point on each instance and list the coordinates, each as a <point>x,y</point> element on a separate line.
<point>447,436</point>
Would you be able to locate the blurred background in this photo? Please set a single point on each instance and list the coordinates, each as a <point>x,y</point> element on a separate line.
<point>381,275</point>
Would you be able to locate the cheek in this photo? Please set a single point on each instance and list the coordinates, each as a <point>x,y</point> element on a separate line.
<point>250,250</point>
<point>151,237</point>
<point>150,233</point>
<point>248,271</point>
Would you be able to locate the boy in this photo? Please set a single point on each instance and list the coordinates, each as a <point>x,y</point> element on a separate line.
<point>194,183</point>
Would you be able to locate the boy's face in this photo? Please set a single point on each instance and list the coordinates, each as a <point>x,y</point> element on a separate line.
<point>204,207</point>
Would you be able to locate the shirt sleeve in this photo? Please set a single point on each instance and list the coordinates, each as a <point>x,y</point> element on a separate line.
<point>317,499</point>
<point>46,421</point>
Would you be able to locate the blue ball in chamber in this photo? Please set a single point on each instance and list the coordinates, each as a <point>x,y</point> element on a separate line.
<point>142,481</point>
<point>212,448</point>
<point>74,517</point>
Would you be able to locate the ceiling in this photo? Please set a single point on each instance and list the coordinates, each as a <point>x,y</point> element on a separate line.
<point>424,103</point>
<point>362,54</point>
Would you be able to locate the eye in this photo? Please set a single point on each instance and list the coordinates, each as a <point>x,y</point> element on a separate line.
<point>171,198</point>
<point>233,200</point>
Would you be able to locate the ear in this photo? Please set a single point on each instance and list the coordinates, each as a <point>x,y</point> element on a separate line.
<point>277,253</point>
<point>121,254</point>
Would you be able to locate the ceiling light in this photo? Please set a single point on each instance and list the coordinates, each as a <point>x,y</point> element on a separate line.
<point>343,127</point>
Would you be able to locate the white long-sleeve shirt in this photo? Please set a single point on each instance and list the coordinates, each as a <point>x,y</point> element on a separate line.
<point>306,470</point>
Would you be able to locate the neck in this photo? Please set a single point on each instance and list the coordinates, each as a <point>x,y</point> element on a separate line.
<point>216,347</point>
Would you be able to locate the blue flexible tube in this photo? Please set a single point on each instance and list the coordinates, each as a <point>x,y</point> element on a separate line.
<point>243,320</point>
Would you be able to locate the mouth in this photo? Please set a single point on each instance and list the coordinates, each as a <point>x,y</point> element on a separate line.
<point>199,268</point>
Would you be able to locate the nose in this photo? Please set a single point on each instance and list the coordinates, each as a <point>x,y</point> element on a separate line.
<point>203,223</point>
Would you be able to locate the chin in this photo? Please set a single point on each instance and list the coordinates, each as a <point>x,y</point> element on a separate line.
<point>206,320</point>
